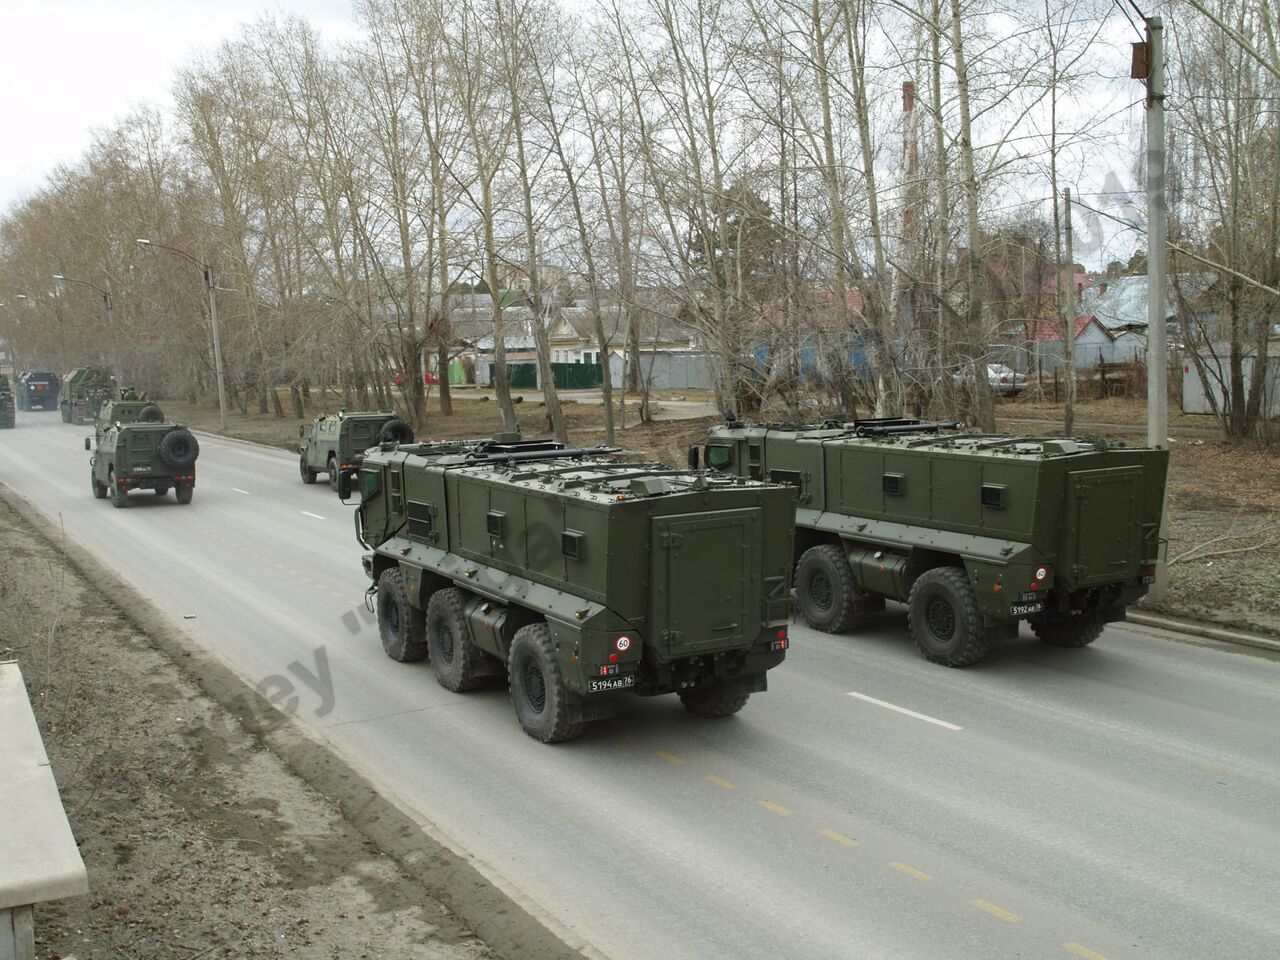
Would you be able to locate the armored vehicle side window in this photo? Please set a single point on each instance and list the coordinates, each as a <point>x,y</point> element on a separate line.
<point>573,544</point>
<point>493,522</point>
<point>753,460</point>
<point>397,495</point>
<point>422,520</point>
<point>993,495</point>
<point>369,479</point>
<point>785,476</point>
<point>894,484</point>
<point>719,457</point>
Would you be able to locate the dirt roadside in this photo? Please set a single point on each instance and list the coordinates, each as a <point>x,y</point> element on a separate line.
<point>209,824</point>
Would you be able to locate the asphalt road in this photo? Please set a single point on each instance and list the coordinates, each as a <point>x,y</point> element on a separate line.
<point>1121,801</point>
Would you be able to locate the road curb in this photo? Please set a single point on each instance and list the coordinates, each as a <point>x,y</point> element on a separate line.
<point>214,435</point>
<point>1190,628</point>
<point>511,928</point>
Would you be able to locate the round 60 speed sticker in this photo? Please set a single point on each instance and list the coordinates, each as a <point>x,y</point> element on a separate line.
<point>623,644</point>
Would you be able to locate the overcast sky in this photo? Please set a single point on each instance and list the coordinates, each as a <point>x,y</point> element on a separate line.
<point>68,66</point>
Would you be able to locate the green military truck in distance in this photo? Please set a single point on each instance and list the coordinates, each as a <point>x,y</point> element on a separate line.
<point>336,442</point>
<point>575,576</point>
<point>135,449</point>
<point>974,533</point>
<point>38,390</point>
<point>8,405</point>
<point>84,390</point>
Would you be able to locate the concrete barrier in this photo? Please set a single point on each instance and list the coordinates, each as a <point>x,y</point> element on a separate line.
<point>39,860</point>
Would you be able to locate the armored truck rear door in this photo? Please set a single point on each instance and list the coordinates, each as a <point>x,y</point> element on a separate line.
<point>706,592</point>
<point>1104,536</point>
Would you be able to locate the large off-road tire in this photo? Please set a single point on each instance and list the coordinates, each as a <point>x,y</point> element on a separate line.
<point>151,414</point>
<point>942,612</point>
<point>308,475</point>
<point>538,691</point>
<point>184,492</point>
<point>333,474</point>
<point>714,700</point>
<point>1076,632</point>
<point>825,591</point>
<point>178,450</point>
<point>397,431</point>
<point>119,497</point>
<point>456,661</point>
<point>400,624</point>
<point>99,489</point>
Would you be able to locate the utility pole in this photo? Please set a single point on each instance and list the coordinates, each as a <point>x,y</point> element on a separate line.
<point>1069,324</point>
<point>1151,57</point>
<point>217,347</point>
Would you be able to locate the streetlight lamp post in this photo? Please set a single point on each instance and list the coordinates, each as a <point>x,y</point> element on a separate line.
<point>207,271</point>
<point>111,321</point>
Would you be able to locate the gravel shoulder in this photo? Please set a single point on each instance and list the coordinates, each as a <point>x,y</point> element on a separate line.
<point>209,826</point>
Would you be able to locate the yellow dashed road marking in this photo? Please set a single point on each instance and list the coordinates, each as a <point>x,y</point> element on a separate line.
<point>909,870</point>
<point>719,781</point>
<point>1080,951</point>
<point>671,758</point>
<point>336,595</point>
<point>995,911</point>
<point>839,838</point>
<point>774,808</point>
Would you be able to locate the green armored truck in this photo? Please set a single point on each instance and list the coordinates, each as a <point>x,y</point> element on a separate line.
<point>8,407</point>
<point>84,390</point>
<point>575,576</point>
<point>134,448</point>
<point>974,533</point>
<point>37,390</point>
<point>336,442</point>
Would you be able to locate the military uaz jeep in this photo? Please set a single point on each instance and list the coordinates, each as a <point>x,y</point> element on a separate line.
<point>337,442</point>
<point>974,533</point>
<point>574,576</point>
<point>134,448</point>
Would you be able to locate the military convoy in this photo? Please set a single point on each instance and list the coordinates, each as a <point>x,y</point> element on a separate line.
<point>575,576</point>
<point>336,442</point>
<point>134,448</point>
<point>84,390</point>
<point>37,390</point>
<point>974,533</point>
<point>8,408</point>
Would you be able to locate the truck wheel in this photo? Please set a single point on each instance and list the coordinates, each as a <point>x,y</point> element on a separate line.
<point>1076,632</point>
<point>825,591</point>
<point>99,490</point>
<point>454,658</point>
<point>400,624</point>
<point>714,700</point>
<point>308,475</point>
<point>333,474</point>
<point>538,690</point>
<point>395,431</point>
<point>942,613</point>
<point>119,498</point>
<point>178,450</point>
<point>151,414</point>
<point>184,492</point>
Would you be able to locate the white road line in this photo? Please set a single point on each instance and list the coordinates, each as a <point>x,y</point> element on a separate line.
<point>308,513</point>
<point>245,492</point>
<point>910,713</point>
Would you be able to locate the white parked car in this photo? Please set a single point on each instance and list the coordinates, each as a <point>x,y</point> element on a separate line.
<point>1005,381</point>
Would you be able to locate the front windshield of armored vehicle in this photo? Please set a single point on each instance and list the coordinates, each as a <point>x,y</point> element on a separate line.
<point>719,457</point>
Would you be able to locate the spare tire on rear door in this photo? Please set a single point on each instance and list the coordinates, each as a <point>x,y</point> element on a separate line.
<point>397,431</point>
<point>178,450</point>
<point>151,414</point>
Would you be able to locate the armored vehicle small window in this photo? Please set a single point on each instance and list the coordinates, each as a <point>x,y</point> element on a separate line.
<point>422,520</point>
<point>993,495</point>
<point>719,457</point>
<point>573,544</point>
<point>370,480</point>
<point>493,522</point>
<point>397,497</point>
<point>753,452</point>
<point>785,476</point>
<point>894,484</point>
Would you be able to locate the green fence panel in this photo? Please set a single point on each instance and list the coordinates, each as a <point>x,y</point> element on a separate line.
<point>577,376</point>
<point>520,376</point>
<point>457,372</point>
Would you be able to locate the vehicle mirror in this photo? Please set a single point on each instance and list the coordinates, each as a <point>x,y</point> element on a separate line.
<point>86,443</point>
<point>344,485</point>
<point>693,458</point>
